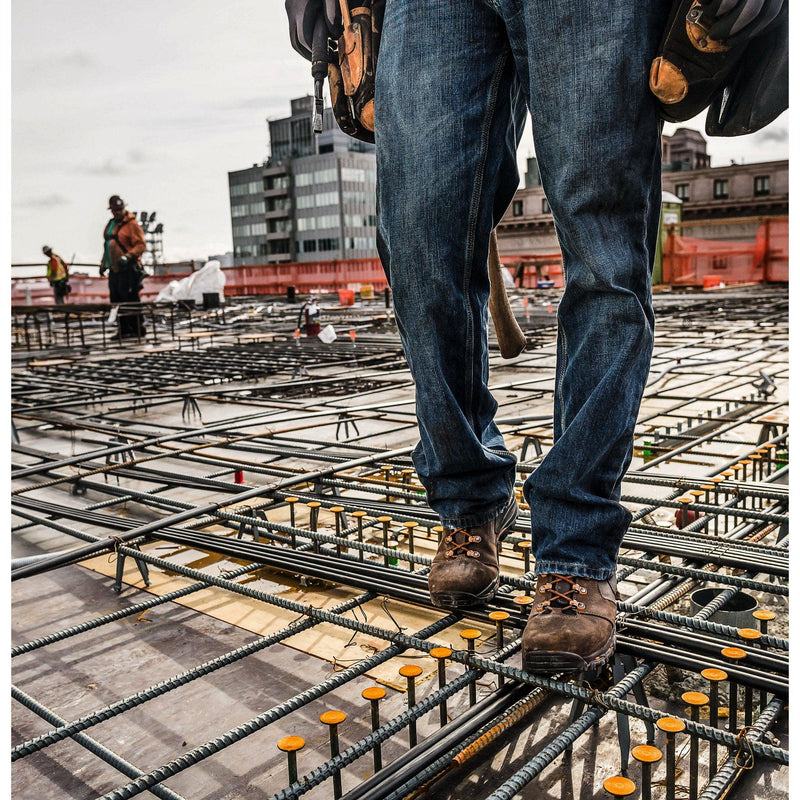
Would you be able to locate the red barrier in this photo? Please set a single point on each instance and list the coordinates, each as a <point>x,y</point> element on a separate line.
<point>529,271</point>
<point>772,247</point>
<point>85,289</point>
<point>691,262</point>
<point>687,262</point>
<point>310,276</point>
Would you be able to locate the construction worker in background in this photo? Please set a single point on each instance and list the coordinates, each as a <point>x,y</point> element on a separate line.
<point>453,85</point>
<point>123,245</point>
<point>308,318</point>
<point>57,275</point>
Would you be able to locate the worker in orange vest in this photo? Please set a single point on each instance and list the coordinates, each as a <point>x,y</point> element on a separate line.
<point>57,275</point>
<point>123,245</point>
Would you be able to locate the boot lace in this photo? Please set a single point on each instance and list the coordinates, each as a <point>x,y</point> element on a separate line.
<point>460,546</point>
<point>561,593</point>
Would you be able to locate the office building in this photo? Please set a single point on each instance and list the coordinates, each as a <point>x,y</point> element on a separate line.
<point>313,199</point>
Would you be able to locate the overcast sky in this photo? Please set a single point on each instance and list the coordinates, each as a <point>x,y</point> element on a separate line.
<point>157,100</point>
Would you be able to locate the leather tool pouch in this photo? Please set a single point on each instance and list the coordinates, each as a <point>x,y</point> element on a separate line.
<point>692,72</point>
<point>352,77</point>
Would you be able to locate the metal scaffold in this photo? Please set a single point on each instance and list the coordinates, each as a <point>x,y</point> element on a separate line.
<point>220,549</point>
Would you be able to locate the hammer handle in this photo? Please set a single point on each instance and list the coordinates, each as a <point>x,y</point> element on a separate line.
<point>509,335</point>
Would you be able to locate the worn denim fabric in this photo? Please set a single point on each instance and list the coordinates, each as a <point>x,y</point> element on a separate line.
<point>455,79</point>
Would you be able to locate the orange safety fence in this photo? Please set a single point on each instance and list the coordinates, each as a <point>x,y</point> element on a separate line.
<point>705,262</point>
<point>535,270</point>
<point>686,262</point>
<point>306,277</point>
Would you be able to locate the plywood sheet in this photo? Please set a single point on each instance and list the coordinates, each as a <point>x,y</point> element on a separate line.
<point>339,646</point>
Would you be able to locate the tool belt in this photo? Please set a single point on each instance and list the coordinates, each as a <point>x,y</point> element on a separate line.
<point>743,81</point>
<point>351,77</point>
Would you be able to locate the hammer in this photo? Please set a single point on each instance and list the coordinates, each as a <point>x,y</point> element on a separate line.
<point>509,335</point>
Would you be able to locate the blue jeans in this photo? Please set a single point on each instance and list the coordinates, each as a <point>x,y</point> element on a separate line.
<point>455,79</point>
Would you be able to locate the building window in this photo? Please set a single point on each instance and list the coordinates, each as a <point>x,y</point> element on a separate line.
<point>328,244</point>
<point>278,246</point>
<point>326,198</point>
<point>682,191</point>
<point>761,185</point>
<point>516,208</point>
<point>325,175</point>
<point>721,189</point>
<point>278,204</point>
<point>353,174</point>
<point>242,189</point>
<point>276,182</point>
<point>545,206</point>
<point>277,225</point>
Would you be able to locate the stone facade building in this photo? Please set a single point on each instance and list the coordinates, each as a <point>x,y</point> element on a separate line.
<point>723,203</point>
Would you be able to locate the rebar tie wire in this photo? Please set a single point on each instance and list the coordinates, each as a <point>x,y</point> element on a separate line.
<point>206,509</point>
<point>645,612</point>
<point>114,709</point>
<point>549,753</point>
<point>399,642</point>
<point>720,784</point>
<point>93,746</point>
<point>473,660</point>
<point>207,749</point>
<point>389,729</point>
<point>705,575</point>
<point>437,767</point>
<point>114,616</point>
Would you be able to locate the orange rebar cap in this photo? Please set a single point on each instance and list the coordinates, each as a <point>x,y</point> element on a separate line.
<point>694,698</point>
<point>670,725</point>
<point>764,614</point>
<point>749,633</point>
<point>291,743</point>
<point>646,753</point>
<point>332,717</point>
<point>619,786</point>
<point>734,653</point>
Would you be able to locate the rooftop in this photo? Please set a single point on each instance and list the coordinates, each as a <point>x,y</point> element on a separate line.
<point>218,537</point>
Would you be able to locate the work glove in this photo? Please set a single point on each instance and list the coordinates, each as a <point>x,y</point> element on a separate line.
<point>745,17</point>
<point>123,262</point>
<point>303,16</point>
<point>103,270</point>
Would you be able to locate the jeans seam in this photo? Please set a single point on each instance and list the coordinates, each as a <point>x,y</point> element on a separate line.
<point>473,222</point>
<point>562,369</point>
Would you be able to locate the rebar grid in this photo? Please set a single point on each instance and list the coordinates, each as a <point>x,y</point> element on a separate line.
<point>707,491</point>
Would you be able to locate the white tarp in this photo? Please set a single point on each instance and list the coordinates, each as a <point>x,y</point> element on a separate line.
<point>327,334</point>
<point>210,279</point>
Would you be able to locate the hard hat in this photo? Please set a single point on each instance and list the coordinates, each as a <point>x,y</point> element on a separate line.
<point>115,202</point>
<point>47,249</point>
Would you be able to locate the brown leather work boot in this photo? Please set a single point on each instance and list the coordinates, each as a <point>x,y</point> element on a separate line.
<point>465,571</point>
<point>571,626</point>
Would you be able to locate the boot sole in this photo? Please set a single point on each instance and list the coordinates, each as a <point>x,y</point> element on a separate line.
<point>466,599</point>
<point>540,662</point>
